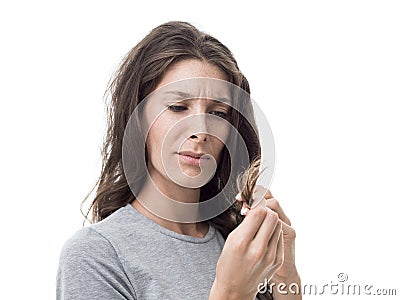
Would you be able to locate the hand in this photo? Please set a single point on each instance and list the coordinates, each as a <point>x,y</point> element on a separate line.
<point>288,269</point>
<point>252,252</point>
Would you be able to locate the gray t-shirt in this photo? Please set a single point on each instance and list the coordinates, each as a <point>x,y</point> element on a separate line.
<point>128,256</point>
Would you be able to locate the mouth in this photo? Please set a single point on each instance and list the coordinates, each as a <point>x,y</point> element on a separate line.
<point>192,154</point>
<point>193,158</point>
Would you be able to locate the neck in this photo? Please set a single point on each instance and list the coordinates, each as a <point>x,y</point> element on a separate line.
<point>151,199</point>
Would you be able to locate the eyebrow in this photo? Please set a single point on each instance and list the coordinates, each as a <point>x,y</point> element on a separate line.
<point>190,96</point>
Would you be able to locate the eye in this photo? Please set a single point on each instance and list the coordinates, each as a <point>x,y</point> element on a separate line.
<point>180,108</point>
<point>176,108</point>
<point>220,114</point>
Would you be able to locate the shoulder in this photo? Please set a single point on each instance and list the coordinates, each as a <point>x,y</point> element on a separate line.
<point>89,268</point>
<point>84,245</point>
<point>85,239</point>
<point>98,242</point>
<point>97,237</point>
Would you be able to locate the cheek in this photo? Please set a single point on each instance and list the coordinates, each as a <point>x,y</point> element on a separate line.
<point>223,134</point>
<point>152,138</point>
<point>219,144</point>
<point>157,135</point>
<point>218,147</point>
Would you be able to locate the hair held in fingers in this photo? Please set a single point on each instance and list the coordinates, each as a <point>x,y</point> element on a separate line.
<point>247,181</point>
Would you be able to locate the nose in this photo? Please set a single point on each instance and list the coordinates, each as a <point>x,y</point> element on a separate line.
<point>200,137</point>
<point>201,127</point>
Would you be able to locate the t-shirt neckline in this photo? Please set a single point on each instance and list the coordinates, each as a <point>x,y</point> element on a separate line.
<point>209,235</point>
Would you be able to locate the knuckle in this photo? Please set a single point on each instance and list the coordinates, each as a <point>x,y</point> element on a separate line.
<point>239,248</point>
<point>273,216</point>
<point>259,212</point>
<point>258,253</point>
<point>276,202</point>
<point>273,202</point>
<point>238,245</point>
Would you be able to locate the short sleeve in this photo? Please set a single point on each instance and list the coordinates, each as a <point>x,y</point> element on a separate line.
<point>89,268</point>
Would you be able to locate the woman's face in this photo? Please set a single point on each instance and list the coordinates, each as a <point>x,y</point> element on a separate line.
<point>193,123</point>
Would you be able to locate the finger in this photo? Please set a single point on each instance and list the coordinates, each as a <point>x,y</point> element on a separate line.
<point>267,228</point>
<point>279,258</point>
<point>273,204</point>
<point>259,194</point>
<point>288,231</point>
<point>273,242</point>
<point>249,227</point>
<point>268,195</point>
<point>261,188</point>
<point>269,257</point>
<point>279,251</point>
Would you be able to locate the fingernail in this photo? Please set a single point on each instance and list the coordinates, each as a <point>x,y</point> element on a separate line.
<point>237,197</point>
<point>244,211</point>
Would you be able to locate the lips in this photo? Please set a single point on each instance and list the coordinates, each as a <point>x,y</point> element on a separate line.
<point>193,158</point>
<point>192,154</point>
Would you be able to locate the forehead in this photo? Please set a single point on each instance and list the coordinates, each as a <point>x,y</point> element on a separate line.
<point>180,96</point>
<point>191,68</point>
<point>198,88</point>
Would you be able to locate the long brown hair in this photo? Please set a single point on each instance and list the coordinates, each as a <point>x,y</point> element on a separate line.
<point>138,75</point>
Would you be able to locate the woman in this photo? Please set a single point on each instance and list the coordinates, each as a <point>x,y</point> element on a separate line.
<point>140,248</point>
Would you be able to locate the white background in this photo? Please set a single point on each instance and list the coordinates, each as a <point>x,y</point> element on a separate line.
<point>326,73</point>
